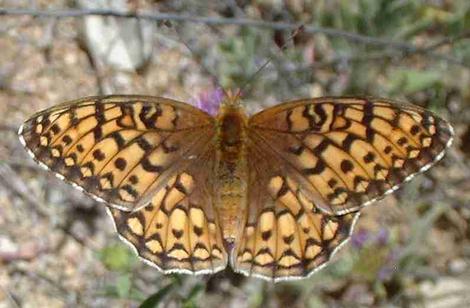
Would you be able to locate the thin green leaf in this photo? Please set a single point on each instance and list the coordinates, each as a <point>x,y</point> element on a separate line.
<point>153,300</point>
<point>189,301</point>
<point>123,286</point>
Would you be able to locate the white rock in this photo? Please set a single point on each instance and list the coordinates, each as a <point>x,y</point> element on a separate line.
<point>457,266</point>
<point>123,43</point>
<point>446,292</point>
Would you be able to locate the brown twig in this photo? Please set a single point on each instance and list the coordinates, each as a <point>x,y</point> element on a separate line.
<point>350,36</point>
<point>11,298</point>
<point>448,40</point>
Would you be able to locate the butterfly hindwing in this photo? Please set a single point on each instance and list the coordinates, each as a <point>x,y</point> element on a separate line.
<point>285,236</point>
<point>178,231</point>
<point>348,152</point>
<point>119,149</point>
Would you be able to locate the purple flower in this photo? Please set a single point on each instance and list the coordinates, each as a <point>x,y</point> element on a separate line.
<point>386,272</point>
<point>390,267</point>
<point>209,100</point>
<point>382,237</point>
<point>359,239</point>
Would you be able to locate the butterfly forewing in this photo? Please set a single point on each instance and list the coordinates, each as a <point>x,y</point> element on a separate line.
<point>178,231</point>
<point>348,152</point>
<point>119,149</point>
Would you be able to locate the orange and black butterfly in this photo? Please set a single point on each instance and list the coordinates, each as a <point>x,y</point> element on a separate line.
<point>274,195</point>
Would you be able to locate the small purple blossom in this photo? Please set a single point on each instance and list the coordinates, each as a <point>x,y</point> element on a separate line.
<point>359,239</point>
<point>386,272</point>
<point>209,100</point>
<point>382,237</point>
<point>391,265</point>
<point>364,236</point>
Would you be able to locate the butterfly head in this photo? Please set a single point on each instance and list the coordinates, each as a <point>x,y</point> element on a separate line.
<point>231,105</point>
<point>232,98</point>
<point>231,119</point>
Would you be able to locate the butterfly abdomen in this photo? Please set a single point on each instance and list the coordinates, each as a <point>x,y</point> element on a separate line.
<point>231,170</point>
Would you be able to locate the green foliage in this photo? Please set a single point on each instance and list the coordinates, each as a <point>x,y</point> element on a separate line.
<point>372,17</point>
<point>117,257</point>
<point>340,268</point>
<point>370,261</point>
<point>156,298</point>
<point>239,54</point>
<point>408,81</point>
<point>123,288</point>
<point>190,300</point>
<point>120,259</point>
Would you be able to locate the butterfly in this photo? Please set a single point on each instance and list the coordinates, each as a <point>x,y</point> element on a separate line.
<point>273,195</point>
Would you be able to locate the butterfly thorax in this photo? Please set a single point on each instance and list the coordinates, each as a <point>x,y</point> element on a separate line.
<point>231,169</point>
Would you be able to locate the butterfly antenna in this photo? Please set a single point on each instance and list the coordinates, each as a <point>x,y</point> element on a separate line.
<point>197,57</point>
<point>267,62</point>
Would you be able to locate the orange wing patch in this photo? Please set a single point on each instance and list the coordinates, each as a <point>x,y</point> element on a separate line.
<point>350,152</point>
<point>289,238</point>
<point>172,233</point>
<point>179,230</point>
<point>119,149</point>
<point>285,236</point>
